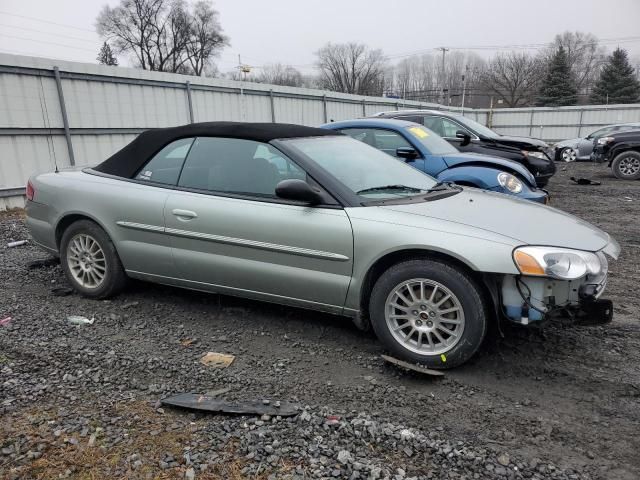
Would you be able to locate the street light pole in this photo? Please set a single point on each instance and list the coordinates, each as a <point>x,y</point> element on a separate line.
<point>444,50</point>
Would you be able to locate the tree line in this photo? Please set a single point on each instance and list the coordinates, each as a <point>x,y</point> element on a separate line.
<point>180,37</point>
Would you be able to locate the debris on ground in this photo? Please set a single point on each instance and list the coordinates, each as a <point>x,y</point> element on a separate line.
<point>5,321</point>
<point>207,403</point>
<point>80,320</point>
<point>218,392</point>
<point>43,262</point>
<point>412,366</point>
<point>18,243</point>
<point>187,342</point>
<point>584,181</point>
<point>217,360</point>
<point>129,304</point>
<point>62,291</point>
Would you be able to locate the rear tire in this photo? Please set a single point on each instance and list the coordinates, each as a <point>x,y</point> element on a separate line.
<point>626,165</point>
<point>90,261</point>
<point>441,324</point>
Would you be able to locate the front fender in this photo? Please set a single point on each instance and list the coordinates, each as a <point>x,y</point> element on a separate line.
<point>480,177</point>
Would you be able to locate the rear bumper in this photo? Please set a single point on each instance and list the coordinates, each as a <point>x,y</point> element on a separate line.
<point>40,228</point>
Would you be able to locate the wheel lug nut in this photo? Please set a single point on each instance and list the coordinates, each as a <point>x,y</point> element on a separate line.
<point>423,307</point>
<point>415,312</point>
<point>432,314</point>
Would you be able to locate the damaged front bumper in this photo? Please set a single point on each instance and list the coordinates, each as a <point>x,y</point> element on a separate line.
<point>529,299</point>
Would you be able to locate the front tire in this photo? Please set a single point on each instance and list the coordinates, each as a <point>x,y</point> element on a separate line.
<point>430,312</point>
<point>626,166</point>
<point>90,261</point>
<point>568,154</point>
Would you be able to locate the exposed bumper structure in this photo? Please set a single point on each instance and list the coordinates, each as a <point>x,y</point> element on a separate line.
<point>527,299</point>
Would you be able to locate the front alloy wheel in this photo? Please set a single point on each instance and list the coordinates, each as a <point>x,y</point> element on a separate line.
<point>569,154</point>
<point>429,311</point>
<point>425,316</point>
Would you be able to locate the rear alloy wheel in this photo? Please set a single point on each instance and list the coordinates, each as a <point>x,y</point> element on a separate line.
<point>430,312</point>
<point>569,154</point>
<point>90,260</point>
<point>626,166</point>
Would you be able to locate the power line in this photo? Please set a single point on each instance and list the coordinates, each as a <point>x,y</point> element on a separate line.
<point>47,42</point>
<point>532,46</point>
<point>49,33</point>
<point>47,21</point>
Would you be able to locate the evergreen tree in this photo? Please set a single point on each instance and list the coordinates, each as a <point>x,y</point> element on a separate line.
<point>106,56</point>
<point>618,82</point>
<point>558,86</point>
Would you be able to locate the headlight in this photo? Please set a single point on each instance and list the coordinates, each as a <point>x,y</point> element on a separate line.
<point>561,263</point>
<point>510,182</point>
<point>528,153</point>
<point>605,140</point>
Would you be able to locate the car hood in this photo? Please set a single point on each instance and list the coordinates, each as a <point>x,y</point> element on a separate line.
<point>456,159</point>
<point>525,143</point>
<point>521,220</point>
<point>568,143</point>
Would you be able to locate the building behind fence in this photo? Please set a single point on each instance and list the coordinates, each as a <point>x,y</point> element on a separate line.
<point>73,114</point>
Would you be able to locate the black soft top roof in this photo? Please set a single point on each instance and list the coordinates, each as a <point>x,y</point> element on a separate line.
<point>127,161</point>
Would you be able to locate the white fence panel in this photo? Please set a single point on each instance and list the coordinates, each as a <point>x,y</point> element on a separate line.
<point>107,106</point>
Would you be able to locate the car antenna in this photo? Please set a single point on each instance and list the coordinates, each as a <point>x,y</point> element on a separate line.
<point>47,123</point>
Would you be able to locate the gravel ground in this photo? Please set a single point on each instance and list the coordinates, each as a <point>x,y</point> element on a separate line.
<point>83,401</point>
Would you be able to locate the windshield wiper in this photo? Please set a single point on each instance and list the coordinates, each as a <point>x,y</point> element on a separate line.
<point>383,188</point>
<point>442,186</point>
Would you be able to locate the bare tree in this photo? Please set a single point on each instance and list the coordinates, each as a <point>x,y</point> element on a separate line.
<point>351,68</point>
<point>163,35</point>
<point>513,77</point>
<point>278,74</point>
<point>206,39</point>
<point>584,55</point>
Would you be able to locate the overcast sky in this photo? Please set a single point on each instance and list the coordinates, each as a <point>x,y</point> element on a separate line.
<point>290,31</point>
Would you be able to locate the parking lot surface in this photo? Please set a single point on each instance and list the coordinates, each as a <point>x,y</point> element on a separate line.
<point>83,401</point>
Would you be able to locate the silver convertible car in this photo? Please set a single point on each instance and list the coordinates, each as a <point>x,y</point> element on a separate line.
<point>313,218</point>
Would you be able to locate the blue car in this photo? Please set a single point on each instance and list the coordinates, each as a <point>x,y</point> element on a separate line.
<point>426,151</point>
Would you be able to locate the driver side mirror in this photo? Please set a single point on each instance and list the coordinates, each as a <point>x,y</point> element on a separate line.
<point>466,138</point>
<point>300,191</point>
<point>408,153</point>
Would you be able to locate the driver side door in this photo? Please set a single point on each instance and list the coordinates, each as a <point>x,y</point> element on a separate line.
<point>232,234</point>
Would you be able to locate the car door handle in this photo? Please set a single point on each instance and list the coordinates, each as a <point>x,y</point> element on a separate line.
<point>184,214</point>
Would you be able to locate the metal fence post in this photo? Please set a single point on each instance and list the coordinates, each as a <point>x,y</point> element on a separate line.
<point>580,122</point>
<point>273,108</point>
<point>65,119</point>
<point>364,107</point>
<point>190,104</point>
<point>531,123</point>
<point>324,108</point>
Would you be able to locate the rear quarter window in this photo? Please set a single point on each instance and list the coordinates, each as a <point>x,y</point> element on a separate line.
<point>165,166</point>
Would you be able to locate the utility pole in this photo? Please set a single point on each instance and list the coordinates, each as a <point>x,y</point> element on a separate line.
<point>464,87</point>
<point>444,51</point>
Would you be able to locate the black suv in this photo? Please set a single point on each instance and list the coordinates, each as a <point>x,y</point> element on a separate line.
<point>469,136</point>
<point>622,151</point>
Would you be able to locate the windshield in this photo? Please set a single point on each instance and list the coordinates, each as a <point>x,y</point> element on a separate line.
<point>366,171</point>
<point>477,127</point>
<point>434,144</point>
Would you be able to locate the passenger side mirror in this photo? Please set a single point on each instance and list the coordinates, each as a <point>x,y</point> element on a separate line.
<point>299,190</point>
<point>466,138</point>
<point>408,153</point>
